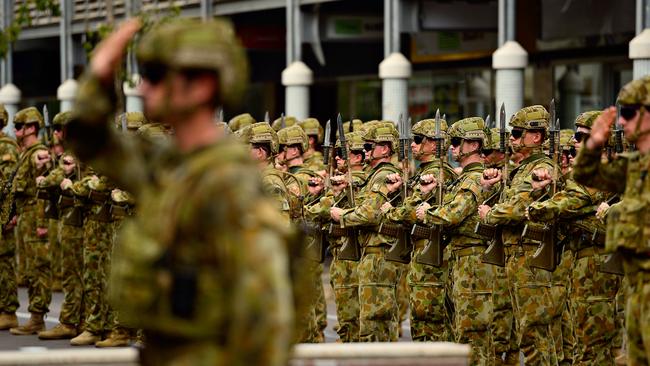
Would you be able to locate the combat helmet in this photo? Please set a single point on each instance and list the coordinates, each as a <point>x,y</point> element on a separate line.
<point>566,139</point>
<point>134,120</point>
<point>493,142</point>
<point>534,117</point>
<point>472,128</point>
<point>586,119</point>
<point>28,116</point>
<point>356,125</point>
<point>427,128</point>
<point>383,132</point>
<point>263,133</point>
<point>312,127</point>
<point>240,121</point>
<point>4,116</point>
<point>62,118</point>
<point>288,121</point>
<point>354,141</point>
<point>293,135</point>
<point>196,45</point>
<point>635,92</point>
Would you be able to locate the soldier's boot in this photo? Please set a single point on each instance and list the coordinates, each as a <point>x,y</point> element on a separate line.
<point>8,321</point>
<point>86,338</point>
<point>34,325</point>
<point>60,331</point>
<point>117,338</point>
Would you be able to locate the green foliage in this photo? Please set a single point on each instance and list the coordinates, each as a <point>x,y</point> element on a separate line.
<point>23,18</point>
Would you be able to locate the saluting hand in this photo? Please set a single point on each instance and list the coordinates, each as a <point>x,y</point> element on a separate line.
<point>601,129</point>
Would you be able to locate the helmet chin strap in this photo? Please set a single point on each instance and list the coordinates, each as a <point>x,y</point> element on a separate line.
<point>462,155</point>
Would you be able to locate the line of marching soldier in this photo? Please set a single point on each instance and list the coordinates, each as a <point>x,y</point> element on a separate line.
<point>59,223</point>
<point>508,251</point>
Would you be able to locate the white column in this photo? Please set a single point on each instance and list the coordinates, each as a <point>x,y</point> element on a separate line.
<point>132,93</point>
<point>296,79</point>
<point>10,97</point>
<point>639,53</point>
<point>394,72</point>
<point>479,93</point>
<point>509,61</point>
<point>66,93</point>
<point>570,86</point>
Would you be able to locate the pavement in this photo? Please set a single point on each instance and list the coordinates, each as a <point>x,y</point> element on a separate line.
<point>9,342</point>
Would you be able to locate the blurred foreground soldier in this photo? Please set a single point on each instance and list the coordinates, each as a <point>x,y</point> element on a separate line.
<point>529,287</point>
<point>203,261</point>
<point>472,280</point>
<point>32,224</point>
<point>378,277</point>
<point>8,286</point>
<point>626,175</point>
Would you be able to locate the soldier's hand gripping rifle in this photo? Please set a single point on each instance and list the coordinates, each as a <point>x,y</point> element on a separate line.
<point>432,254</point>
<point>401,251</point>
<point>546,257</point>
<point>350,250</point>
<point>495,253</point>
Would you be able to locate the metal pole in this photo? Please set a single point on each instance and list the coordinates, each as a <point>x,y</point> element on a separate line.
<point>297,31</point>
<point>206,10</point>
<point>510,20</point>
<point>68,38</point>
<point>502,22</point>
<point>639,15</point>
<point>3,26</point>
<point>290,32</point>
<point>8,69</point>
<point>646,14</point>
<point>387,28</point>
<point>395,26</point>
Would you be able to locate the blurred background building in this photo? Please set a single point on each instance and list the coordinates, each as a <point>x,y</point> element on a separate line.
<point>321,57</point>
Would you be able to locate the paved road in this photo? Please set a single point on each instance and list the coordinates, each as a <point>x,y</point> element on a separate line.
<point>11,342</point>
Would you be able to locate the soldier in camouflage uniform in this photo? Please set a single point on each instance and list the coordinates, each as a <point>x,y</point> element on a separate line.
<point>56,150</point>
<point>343,273</point>
<point>378,278</point>
<point>593,293</point>
<point>8,286</point>
<point>305,185</point>
<point>202,220</point>
<point>472,279</point>
<point>529,288</point>
<point>312,157</point>
<point>430,320</point>
<point>32,226</point>
<point>240,121</point>
<point>626,175</point>
<point>70,237</point>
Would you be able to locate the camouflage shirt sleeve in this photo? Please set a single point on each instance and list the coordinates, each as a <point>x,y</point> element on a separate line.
<point>368,209</point>
<point>53,179</point>
<point>573,201</point>
<point>592,172</point>
<point>462,203</point>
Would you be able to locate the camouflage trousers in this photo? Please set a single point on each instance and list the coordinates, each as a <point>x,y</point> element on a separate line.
<point>378,308</point>
<point>472,298</point>
<point>562,324</point>
<point>320,310</point>
<point>37,255</point>
<point>621,301</point>
<point>502,326</point>
<point>8,286</point>
<point>532,305</point>
<point>72,261</point>
<point>306,296</point>
<point>55,250</point>
<point>345,282</point>
<point>21,258</point>
<point>593,307</point>
<point>403,295</point>
<point>97,243</point>
<point>430,318</point>
<point>637,311</point>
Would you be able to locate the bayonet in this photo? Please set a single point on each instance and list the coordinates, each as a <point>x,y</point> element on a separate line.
<point>283,122</point>
<point>267,118</point>
<point>46,119</point>
<point>488,121</point>
<point>327,146</point>
<point>618,132</point>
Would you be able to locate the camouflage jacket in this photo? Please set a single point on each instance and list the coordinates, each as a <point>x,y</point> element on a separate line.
<point>314,161</point>
<point>458,213</point>
<point>24,185</point>
<point>511,212</point>
<point>626,175</point>
<point>367,213</point>
<point>205,255</point>
<point>275,187</point>
<point>405,213</point>
<point>8,156</point>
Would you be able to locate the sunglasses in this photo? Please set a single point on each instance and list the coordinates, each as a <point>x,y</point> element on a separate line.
<point>338,152</point>
<point>66,162</point>
<point>368,147</point>
<point>517,133</point>
<point>19,126</point>
<point>456,141</point>
<point>629,111</point>
<point>580,136</point>
<point>154,72</point>
<point>418,139</point>
<point>57,128</point>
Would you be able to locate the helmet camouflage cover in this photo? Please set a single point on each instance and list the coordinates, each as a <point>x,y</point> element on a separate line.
<point>4,116</point>
<point>383,132</point>
<point>134,120</point>
<point>312,127</point>
<point>293,135</point>
<point>263,133</point>
<point>586,119</point>
<point>193,44</point>
<point>240,121</point>
<point>354,139</point>
<point>472,128</point>
<point>635,92</point>
<point>62,118</point>
<point>288,121</point>
<point>29,115</point>
<point>493,142</point>
<point>356,125</point>
<point>534,117</point>
<point>566,138</point>
<point>427,127</point>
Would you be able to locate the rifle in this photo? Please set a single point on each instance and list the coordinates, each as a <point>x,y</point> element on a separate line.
<point>618,133</point>
<point>546,257</point>
<point>495,253</point>
<point>350,250</point>
<point>401,251</point>
<point>432,254</point>
<point>48,127</point>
